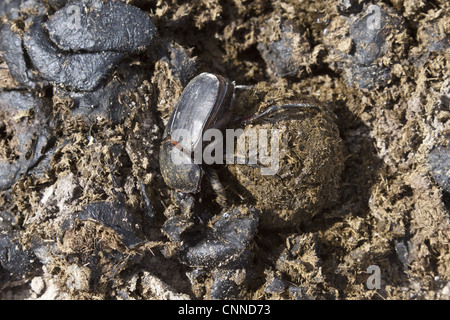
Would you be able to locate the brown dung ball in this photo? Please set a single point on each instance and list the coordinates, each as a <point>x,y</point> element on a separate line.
<point>310,161</point>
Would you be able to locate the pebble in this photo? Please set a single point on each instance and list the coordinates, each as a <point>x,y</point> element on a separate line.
<point>37,285</point>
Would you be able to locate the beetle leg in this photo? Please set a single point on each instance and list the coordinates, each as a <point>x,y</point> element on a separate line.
<point>276,108</point>
<point>186,203</point>
<point>242,87</point>
<point>217,187</point>
<point>148,207</point>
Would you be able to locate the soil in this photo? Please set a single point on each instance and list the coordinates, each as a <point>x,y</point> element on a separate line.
<point>363,182</point>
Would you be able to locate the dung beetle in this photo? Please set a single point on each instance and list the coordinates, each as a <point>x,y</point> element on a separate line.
<point>224,242</point>
<point>204,104</point>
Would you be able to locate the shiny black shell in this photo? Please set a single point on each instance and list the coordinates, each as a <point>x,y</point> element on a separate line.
<point>204,104</point>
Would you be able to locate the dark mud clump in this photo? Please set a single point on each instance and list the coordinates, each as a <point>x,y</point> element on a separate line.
<point>24,132</point>
<point>107,26</point>
<point>76,71</point>
<point>363,178</point>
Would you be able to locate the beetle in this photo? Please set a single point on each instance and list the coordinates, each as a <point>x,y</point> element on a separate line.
<point>205,103</point>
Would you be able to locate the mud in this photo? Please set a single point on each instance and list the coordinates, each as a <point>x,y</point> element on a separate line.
<point>363,180</point>
<point>107,26</point>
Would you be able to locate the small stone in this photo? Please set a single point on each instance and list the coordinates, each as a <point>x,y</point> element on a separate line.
<point>446,289</point>
<point>38,285</point>
<point>78,279</point>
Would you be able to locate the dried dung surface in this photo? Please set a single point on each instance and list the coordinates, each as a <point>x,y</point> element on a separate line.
<point>363,181</point>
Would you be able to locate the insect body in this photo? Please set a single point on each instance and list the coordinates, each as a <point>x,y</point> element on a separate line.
<point>204,104</point>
